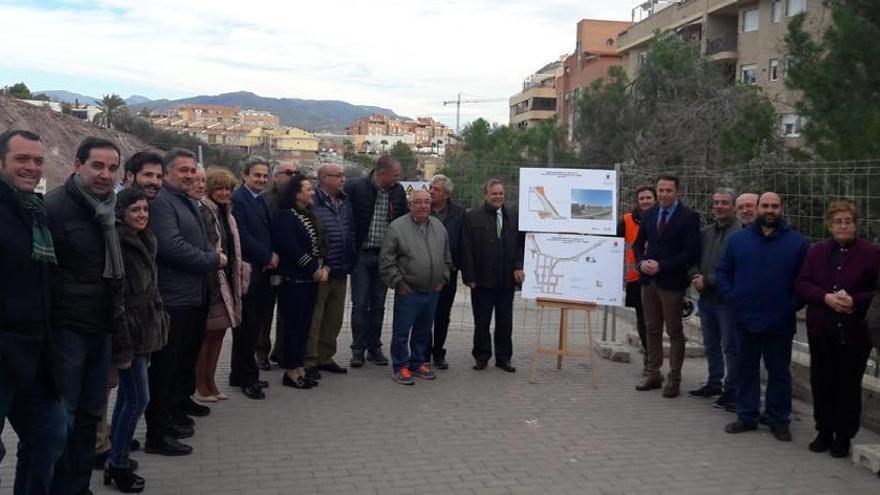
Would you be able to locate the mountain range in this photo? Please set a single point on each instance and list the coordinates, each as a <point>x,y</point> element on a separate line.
<point>314,115</point>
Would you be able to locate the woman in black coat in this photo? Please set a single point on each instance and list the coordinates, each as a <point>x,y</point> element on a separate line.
<point>300,248</point>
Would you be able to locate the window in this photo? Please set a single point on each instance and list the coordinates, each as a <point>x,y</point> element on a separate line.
<point>795,7</point>
<point>643,56</point>
<point>773,71</point>
<point>749,74</point>
<point>792,124</point>
<point>776,11</point>
<point>750,20</point>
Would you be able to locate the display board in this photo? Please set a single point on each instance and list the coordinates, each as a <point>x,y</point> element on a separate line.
<point>414,185</point>
<point>572,267</point>
<point>568,200</point>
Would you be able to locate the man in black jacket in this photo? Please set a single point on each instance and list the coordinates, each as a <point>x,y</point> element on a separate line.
<point>491,265</point>
<point>87,304</point>
<point>184,259</point>
<point>376,200</point>
<point>452,216</point>
<point>27,393</point>
<point>667,246</point>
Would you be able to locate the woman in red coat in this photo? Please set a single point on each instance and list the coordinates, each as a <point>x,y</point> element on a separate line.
<point>837,280</point>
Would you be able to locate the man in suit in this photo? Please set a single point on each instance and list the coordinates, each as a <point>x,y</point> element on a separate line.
<point>252,214</point>
<point>491,265</point>
<point>667,246</point>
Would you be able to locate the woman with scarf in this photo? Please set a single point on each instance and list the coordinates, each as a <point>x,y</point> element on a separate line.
<point>225,286</point>
<point>145,331</point>
<point>300,247</point>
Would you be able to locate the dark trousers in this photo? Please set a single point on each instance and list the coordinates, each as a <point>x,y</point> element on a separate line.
<point>172,369</point>
<point>663,309</point>
<point>263,348</point>
<point>81,364</point>
<point>775,349</point>
<point>368,294</point>
<point>296,302</point>
<point>256,310</point>
<point>836,370</point>
<point>634,300</point>
<point>441,319</point>
<point>40,421</point>
<point>484,301</point>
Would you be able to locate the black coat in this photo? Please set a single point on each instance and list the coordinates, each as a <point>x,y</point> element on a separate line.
<point>24,295</point>
<point>185,258</point>
<point>82,299</point>
<point>362,194</point>
<point>676,250</point>
<point>146,322</point>
<point>454,222</point>
<point>479,243</point>
<point>254,227</point>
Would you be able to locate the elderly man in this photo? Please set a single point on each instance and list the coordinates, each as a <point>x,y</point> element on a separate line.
<point>376,200</point>
<point>452,216</point>
<point>415,261</point>
<point>716,323</point>
<point>333,210</point>
<point>746,204</point>
<point>756,277</point>
<point>27,392</point>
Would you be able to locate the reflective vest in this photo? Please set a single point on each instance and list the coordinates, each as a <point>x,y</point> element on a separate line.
<point>630,234</point>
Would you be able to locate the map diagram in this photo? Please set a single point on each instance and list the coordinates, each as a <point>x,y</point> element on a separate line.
<point>574,201</point>
<point>581,268</point>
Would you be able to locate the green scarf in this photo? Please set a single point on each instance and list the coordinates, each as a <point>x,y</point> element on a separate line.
<point>43,250</point>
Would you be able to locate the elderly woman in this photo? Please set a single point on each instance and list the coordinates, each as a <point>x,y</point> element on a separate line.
<point>145,331</point>
<point>225,286</point>
<point>300,247</point>
<point>837,281</point>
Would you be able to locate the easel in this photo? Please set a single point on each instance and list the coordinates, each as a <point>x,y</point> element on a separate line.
<point>563,350</point>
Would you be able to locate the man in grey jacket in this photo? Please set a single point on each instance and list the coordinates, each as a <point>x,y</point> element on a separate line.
<point>415,261</point>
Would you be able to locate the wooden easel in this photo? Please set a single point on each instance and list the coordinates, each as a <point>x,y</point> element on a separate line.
<point>563,350</point>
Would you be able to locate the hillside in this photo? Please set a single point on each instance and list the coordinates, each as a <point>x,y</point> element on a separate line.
<point>60,134</point>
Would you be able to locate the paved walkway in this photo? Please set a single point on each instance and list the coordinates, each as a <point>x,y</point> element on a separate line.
<point>487,432</point>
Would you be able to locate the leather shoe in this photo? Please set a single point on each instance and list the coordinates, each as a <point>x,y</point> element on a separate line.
<point>480,365</point>
<point>781,432</point>
<point>180,419</point>
<point>264,364</point>
<point>332,367</point>
<point>190,408</point>
<point>840,448</point>
<point>313,373</point>
<point>822,442</point>
<point>671,390</point>
<point>650,383</point>
<point>506,366</point>
<point>181,431</point>
<point>740,426</point>
<point>441,364</point>
<point>263,383</point>
<point>253,392</point>
<point>167,446</point>
<point>300,382</point>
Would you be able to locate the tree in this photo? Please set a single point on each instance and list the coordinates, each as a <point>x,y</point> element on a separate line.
<point>839,75</point>
<point>111,108</point>
<point>367,144</point>
<point>18,90</point>
<point>384,143</point>
<point>680,111</point>
<point>403,153</point>
<point>66,108</point>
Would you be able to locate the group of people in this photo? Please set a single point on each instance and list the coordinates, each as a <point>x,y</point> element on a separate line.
<point>753,272</point>
<point>133,284</point>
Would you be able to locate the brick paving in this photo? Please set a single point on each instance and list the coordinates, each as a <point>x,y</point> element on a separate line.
<point>487,432</point>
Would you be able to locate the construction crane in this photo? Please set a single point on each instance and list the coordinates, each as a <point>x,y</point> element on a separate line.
<point>458,101</point>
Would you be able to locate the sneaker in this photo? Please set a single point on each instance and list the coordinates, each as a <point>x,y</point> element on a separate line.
<point>781,432</point>
<point>403,376</point>
<point>376,357</point>
<point>726,400</point>
<point>424,371</point>
<point>357,359</point>
<point>704,392</point>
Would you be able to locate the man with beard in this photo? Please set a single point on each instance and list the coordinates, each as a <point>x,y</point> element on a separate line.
<point>745,208</point>
<point>756,276</point>
<point>143,169</point>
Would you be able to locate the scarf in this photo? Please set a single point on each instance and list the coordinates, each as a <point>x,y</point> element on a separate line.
<point>43,249</point>
<point>105,214</point>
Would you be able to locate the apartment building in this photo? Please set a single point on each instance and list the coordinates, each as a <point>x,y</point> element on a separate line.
<point>536,102</point>
<point>195,112</point>
<point>747,37</point>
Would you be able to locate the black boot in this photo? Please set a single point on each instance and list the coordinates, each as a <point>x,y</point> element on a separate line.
<point>126,481</point>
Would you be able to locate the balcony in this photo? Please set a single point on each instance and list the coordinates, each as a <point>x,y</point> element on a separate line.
<point>722,48</point>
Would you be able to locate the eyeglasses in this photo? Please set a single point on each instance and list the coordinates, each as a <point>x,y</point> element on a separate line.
<point>289,173</point>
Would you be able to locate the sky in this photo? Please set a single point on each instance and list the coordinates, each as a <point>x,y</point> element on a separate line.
<point>408,56</point>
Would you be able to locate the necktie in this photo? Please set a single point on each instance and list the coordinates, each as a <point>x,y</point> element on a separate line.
<point>663,215</point>
<point>498,224</point>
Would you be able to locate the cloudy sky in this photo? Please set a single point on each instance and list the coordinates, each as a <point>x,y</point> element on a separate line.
<point>405,55</point>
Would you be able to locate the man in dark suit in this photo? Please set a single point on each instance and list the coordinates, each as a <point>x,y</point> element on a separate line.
<point>667,246</point>
<point>252,213</point>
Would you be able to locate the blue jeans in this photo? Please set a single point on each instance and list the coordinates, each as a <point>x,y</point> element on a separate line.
<point>367,303</point>
<point>776,351</point>
<point>719,342</point>
<point>81,364</point>
<point>413,311</point>
<point>40,421</point>
<point>132,398</point>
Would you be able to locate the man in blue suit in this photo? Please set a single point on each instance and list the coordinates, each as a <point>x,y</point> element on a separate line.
<point>667,246</point>
<point>253,218</point>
